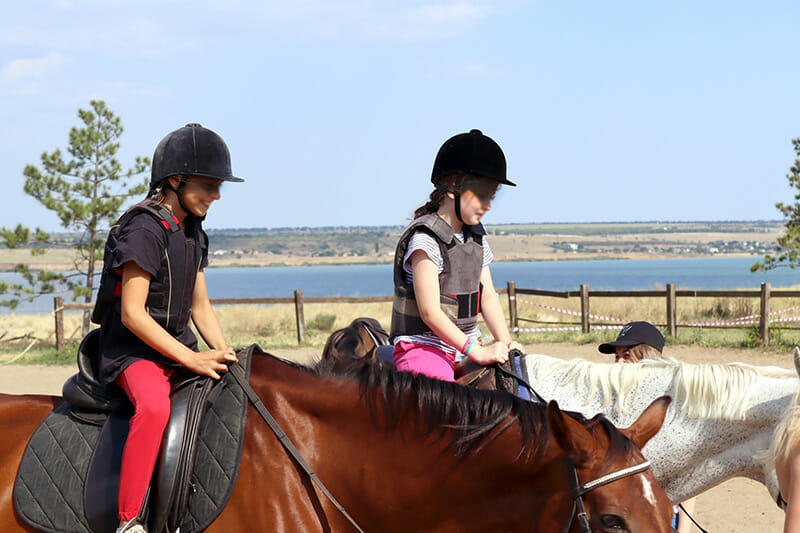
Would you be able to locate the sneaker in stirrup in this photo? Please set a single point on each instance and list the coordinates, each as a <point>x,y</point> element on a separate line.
<point>131,526</point>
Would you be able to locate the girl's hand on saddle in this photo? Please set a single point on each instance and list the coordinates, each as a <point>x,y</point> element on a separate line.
<point>486,355</point>
<point>514,345</point>
<point>212,362</point>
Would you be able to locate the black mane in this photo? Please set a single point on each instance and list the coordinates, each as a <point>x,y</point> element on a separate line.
<point>465,414</point>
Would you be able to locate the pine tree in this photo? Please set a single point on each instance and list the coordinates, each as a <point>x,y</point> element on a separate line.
<point>788,252</point>
<point>88,189</point>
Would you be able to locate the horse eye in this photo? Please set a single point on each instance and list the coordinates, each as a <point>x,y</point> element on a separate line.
<point>613,522</point>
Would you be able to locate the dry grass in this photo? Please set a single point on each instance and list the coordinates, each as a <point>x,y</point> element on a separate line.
<point>533,314</point>
<point>274,326</point>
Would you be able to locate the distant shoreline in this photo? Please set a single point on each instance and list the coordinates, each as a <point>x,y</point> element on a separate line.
<point>302,247</point>
<point>305,262</point>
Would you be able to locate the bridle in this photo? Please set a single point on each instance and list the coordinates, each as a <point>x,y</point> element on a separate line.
<point>579,490</point>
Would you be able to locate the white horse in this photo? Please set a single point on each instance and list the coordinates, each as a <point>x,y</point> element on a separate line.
<point>721,418</point>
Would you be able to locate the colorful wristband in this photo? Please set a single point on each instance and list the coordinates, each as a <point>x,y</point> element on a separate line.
<point>468,345</point>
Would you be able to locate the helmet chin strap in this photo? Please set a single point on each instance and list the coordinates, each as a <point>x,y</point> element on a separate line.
<point>457,204</point>
<point>179,193</point>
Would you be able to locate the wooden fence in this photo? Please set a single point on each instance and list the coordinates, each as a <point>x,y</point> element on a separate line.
<point>298,300</point>
<point>670,295</point>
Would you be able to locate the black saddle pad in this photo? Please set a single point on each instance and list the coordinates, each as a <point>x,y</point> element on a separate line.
<point>48,492</point>
<point>49,488</point>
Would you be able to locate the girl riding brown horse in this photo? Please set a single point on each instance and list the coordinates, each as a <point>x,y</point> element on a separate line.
<point>402,453</point>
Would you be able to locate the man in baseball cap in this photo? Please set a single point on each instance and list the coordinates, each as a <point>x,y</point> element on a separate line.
<point>636,341</point>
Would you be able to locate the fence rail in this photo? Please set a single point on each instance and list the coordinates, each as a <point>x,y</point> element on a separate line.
<point>298,300</point>
<point>670,295</point>
<point>765,295</point>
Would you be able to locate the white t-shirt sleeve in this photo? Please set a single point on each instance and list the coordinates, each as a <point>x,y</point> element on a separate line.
<point>425,242</point>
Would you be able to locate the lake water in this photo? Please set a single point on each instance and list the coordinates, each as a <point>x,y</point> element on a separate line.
<point>376,280</point>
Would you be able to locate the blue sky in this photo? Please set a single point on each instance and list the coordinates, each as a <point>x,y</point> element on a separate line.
<point>334,111</point>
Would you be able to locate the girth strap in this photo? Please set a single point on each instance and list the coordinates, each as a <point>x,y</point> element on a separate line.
<point>238,374</point>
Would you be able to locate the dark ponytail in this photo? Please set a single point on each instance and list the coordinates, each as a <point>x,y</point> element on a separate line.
<point>444,184</point>
<point>434,201</point>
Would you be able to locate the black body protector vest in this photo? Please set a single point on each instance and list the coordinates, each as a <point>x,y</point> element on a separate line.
<point>459,282</point>
<point>169,300</point>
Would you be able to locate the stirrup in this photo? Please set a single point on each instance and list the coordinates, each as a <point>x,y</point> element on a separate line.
<point>132,526</point>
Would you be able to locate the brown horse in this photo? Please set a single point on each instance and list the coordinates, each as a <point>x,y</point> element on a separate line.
<point>404,453</point>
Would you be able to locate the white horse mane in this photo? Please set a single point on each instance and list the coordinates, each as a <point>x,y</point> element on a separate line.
<point>720,391</point>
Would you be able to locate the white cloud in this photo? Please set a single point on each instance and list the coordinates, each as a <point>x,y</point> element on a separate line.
<point>154,29</point>
<point>27,71</point>
<point>391,20</point>
<point>426,21</point>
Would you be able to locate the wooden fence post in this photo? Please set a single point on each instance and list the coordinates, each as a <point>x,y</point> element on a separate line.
<point>301,321</point>
<point>58,311</point>
<point>512,306</point>
<point>672,310</point>
<point>584,308</point>
<point>765,288</point>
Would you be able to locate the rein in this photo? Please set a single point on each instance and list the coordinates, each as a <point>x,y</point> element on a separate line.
<point>680,506</point>
<point>238,374</point>
<point>510,373</point>
<point>579,490</point>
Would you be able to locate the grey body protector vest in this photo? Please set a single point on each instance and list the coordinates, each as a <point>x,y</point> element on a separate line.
<point>169,300</point>
<point>459,282</point>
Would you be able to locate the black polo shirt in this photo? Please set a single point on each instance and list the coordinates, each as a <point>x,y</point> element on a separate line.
<point>144,241</point>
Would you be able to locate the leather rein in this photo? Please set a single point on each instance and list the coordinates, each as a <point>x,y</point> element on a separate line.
<point>576,493</point>
<point>578,490</point>
<point>238,374</point>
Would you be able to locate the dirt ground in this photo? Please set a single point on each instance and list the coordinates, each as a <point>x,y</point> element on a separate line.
<point>738,505</point>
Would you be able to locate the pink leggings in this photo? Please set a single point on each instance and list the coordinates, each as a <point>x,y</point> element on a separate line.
<point>424,359</point>
<point>147,386</point>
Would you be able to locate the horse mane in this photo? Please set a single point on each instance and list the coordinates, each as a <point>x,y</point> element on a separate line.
<point>471,417</point>
<point>468,415</point>
<point>716,390</point>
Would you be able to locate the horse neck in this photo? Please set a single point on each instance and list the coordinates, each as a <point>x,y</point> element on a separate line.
<point>695,454</point>
<point>331,424</point>
<point>735,448</point>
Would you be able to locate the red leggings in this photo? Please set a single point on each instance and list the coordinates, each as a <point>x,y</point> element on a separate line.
<point>147,386</point>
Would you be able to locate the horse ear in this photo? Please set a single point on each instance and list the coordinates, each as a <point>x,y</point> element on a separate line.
<point>570,435</point>
<point>649,422</point>
<point>797,360</point>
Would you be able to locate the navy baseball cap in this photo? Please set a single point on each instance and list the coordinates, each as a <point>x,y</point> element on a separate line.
<point>636,333</point>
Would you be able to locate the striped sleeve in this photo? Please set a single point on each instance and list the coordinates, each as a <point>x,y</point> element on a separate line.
<point>488,256</point>
<point>425,242</point>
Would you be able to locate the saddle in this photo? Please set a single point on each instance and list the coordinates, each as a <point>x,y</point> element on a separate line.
<point>68,478</point>
<point>468,372</point>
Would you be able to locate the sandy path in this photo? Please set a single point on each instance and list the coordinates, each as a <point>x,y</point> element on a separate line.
<point>738,505</point>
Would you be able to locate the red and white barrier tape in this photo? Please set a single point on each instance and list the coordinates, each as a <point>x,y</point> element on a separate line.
<point>536,330</point>
<point>574,313</point>
<point>743,321</point>
<point>569,328</point>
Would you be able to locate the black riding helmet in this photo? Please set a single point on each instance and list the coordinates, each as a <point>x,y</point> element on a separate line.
<point>191,151</point>
<point>469,153</point>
